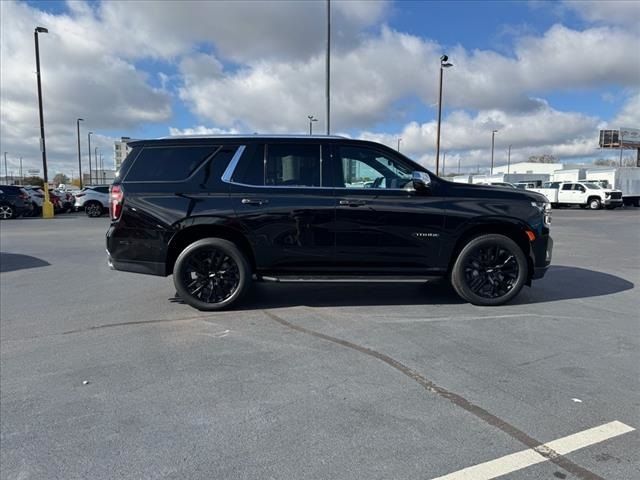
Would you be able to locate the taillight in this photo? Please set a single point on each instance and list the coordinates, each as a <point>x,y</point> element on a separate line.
<point>116,198</point>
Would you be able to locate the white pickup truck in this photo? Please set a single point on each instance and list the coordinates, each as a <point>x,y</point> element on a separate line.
<point>585,194</point>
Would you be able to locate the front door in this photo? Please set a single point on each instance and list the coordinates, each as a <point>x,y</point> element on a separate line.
<point>383,226</point>
<point>283,198</point>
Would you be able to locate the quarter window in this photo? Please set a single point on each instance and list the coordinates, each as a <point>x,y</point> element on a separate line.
<point>173,163</point>
<point>367,168</point>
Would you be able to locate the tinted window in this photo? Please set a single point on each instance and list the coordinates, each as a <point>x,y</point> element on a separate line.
<point>168,163</point>
<point>293,165</point>
<point>101,189</point>
<point>567,186</point>
<point>367,168</point>
<point>250,168</point>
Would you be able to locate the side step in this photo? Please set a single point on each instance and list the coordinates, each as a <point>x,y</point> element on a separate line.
<point>344,279</point>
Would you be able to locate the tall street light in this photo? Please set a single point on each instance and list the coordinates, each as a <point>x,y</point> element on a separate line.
<point>311,120</point>
<point>95,151</point>
<point>509,160</point>
<point>399,140</point>
<point>328,69</point>
<point>89,142</point>
<point>6,172</point>
<point>79,157</point>
<point>443,64</point>
<point>493,138</point>
<point>47,206</point>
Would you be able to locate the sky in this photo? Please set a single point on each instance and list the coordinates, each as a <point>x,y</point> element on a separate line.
<point>546,75</point>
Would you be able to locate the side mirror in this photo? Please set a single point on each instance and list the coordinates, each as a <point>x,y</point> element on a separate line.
<point>421,181</point>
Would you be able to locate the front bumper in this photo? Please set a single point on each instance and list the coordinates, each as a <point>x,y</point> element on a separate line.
<point>612,201</point>
<point>541,254</point>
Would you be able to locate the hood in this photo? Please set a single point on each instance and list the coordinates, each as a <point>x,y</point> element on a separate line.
<point>490,191</point>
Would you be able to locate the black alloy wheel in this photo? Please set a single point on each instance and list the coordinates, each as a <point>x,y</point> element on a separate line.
<point>490,270</point>
<point>211,274</point>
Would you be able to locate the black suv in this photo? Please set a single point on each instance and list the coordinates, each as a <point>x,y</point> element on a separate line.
<point>219,212</point>
<point>14,201</point>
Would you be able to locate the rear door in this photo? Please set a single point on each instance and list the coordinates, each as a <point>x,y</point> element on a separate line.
<point>567,194</point>
<point>282,195</point>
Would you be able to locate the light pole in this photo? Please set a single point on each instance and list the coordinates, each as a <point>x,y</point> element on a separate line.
<point>328,69</point>
<point>95,151</point>
<point>443,64</point>
<point>621,138</point>
<point>311,120</point>
<point>79,157</point>
<point>21,177</point>
<point>444,158</point>
<point>493,138</point>
<point>89,142</point>
<point>458,165</point>
<point>399,140</point>
<point>47,206</point>
<point>6,172</point>
<point>509,160</point>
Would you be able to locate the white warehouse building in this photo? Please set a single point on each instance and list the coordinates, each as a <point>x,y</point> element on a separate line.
<point>528,167</point>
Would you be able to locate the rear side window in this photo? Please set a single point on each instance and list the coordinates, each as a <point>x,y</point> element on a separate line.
<point>293,165</point>
<point>168,163</point>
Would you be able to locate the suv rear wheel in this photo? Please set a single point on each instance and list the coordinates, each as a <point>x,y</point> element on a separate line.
<point>6,211</point>
<point>211,274</point>
<point>490,270</point>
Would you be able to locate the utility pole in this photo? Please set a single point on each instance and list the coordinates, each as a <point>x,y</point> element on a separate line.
<point>493,137</point>
<point>399,140</point>
<point>21,176</point>
<point>444,157</point>
<point>79,156</point>
<point>6,172</point>
<point>328,71</point>
<point>458,165</point>
<point>95,151</point>
<point>509,160</point>
<point>47,206</point>
<point>89,142</point>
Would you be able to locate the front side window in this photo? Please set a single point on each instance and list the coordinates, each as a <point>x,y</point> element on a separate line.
<point>367,168</point>
<point>567,186</point>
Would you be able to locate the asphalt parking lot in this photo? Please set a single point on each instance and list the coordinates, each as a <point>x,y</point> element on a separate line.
<point>106,375</point>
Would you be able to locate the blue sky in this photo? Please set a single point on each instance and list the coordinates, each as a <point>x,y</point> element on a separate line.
<point>548,75</point>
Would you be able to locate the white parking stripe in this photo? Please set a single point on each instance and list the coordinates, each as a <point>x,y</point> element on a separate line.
<point>526,458</point>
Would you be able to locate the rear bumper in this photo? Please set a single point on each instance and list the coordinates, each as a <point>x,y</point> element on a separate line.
<point>147,268</point>
<point>119,245</point>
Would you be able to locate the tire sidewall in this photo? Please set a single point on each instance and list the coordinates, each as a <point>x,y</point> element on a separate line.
<point>458,279</point>
<point>594,204</point>
<point>228,248</point>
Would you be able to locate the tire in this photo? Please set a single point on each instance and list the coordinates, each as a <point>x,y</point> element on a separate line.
<point>486,261</point>
<point>93,209</point>
<point>195,280</point>
<point>595,204</point>
<point>6,211</point>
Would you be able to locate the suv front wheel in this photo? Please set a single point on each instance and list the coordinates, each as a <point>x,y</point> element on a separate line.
<point>211,274</point>
<point>490,270</point>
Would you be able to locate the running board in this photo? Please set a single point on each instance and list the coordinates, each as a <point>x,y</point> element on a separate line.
<point>344,279</point>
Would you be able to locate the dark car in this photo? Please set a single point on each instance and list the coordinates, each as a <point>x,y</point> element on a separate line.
<point>14,202</point>
<point>219,212</point>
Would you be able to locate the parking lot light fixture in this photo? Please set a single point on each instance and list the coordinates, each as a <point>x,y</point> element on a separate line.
<point>311,120</point>
<point>47,206</point>
<point>444,63</point>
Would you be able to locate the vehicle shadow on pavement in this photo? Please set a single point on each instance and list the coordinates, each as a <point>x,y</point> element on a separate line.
<point>274,295</point>
<point>564,283</point>
<point>10,262</point>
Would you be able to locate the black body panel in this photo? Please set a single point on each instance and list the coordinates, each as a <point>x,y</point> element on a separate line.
<point>314,229</point>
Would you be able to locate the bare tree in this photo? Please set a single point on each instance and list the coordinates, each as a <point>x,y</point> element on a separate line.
<point>546,158</point>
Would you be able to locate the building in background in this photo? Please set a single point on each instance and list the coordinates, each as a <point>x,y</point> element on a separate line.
<point>528,167</point>
<point>120,151</point>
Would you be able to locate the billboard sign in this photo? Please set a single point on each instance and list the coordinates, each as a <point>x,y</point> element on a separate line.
<point>33,171</point>
<point>609,139</point>
<point>630,136</point>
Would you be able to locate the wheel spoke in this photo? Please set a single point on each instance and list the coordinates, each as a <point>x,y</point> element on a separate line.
<point>211,275</point>
<point>491,271</point>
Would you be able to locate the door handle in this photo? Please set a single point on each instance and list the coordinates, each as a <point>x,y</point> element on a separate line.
<point>352,203</point>
<point>253,201</point>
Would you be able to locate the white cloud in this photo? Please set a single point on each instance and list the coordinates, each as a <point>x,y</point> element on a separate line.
<point>201,130</point>
<point>629,115</point>
<point>625,12</point>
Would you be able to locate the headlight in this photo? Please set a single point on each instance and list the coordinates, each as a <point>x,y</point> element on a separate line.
<point>545,209</point>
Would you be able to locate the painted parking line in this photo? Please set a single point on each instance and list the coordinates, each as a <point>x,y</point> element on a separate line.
<point>526,458</point>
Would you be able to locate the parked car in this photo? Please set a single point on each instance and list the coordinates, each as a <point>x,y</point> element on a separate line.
<point>217,212</point>
<point>585,194</point>
<point>36,196</point>
<point>67,199</point>
<point>94,200</point>
<point>14,202</point>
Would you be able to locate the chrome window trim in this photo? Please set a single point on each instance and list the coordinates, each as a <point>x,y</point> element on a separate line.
<point>228,172</point>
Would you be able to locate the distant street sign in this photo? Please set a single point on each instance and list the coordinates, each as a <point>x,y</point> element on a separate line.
<point>33,171</point>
